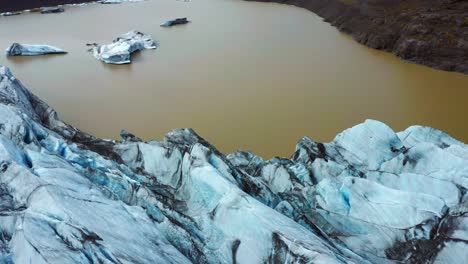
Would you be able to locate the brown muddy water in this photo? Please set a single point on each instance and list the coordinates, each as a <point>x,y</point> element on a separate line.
<point>244,75</point>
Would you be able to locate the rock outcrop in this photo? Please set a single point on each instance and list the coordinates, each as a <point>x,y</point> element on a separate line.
<point>17,49</point>
<point>122,47</point>
<point>428,32</point>
<point>369,196</point>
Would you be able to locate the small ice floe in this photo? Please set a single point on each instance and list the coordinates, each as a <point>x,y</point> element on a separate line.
<point>118,1</point>
<point>50,10</point>
<point>17,49</point>
<point>110,2</point>
<point>119,51</point>
<point>10,13</point>
<point>177,21</point>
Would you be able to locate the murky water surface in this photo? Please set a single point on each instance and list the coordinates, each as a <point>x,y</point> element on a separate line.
<point>244,75</point>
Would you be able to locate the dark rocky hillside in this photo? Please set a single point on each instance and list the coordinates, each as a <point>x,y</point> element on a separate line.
<point>429,32</point>
<point>15,5</point>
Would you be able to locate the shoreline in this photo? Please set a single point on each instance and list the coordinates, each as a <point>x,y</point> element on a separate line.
<point>431,33</point>
<point>14,5</point>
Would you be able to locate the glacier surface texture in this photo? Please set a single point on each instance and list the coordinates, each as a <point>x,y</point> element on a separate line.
<point>369,196</point>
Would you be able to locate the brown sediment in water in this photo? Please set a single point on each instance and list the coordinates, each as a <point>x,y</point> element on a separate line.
<point>259,84</point>
<point>15,5</point>
<point>429,32</point>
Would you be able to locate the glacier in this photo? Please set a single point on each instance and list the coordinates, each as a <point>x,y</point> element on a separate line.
<point>120,50</point>
<point>17,49</point>
<point>369,196</point>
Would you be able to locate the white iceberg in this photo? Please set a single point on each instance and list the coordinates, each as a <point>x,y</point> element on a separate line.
<point>119,52</point>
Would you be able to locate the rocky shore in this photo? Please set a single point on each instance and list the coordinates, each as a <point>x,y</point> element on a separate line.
<point>15,5</point>
<point>428,32</point>
<point>369,196</point>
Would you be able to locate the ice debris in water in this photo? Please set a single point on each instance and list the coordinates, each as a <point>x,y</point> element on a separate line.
<point>177,21</point>
<point>120,50</point>
<point>52,10</point>
<point>118,1</point>
<point>17,49</point>
<point>14,13</point>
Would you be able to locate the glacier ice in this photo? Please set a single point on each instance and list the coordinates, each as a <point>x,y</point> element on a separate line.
<point>369,196</point>
<point>382,195</point>
<point>120,50</point>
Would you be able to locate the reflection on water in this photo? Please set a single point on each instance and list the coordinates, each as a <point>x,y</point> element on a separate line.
<point>243,75</point>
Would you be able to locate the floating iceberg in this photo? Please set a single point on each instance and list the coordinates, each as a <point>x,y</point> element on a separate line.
<point>119,1</point>
<point>120,50</point>
<point>177,21</point>
<point>10,13</point>
<point>17,49</point>
<point>51,10</point>
<point>111,2</point>
<point>369,196</point>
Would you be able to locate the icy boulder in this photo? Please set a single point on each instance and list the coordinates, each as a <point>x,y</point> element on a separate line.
<point>17,49</point>
<point>369,196</point>
<point>120,50</point>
